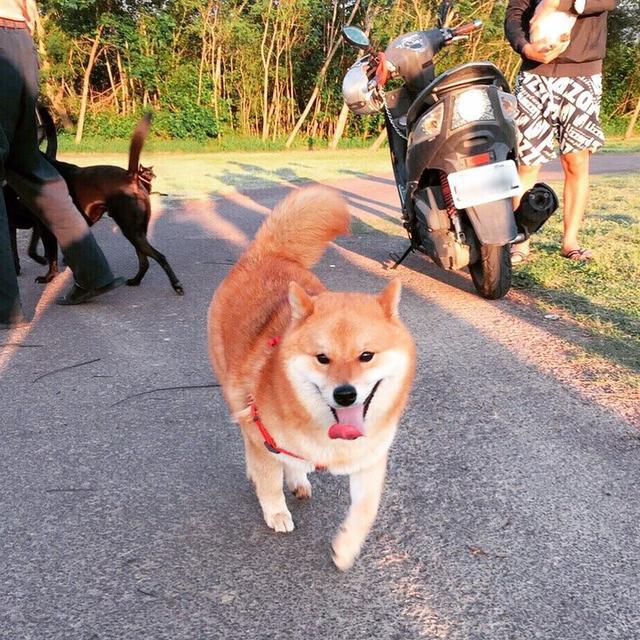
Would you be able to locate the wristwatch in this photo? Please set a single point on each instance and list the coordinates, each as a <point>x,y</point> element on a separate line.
<point>578,6</point>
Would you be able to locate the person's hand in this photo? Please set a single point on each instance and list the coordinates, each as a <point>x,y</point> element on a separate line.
<point>542,54</point>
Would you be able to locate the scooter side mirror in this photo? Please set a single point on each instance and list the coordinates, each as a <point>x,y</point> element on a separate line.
<point>445,8</point>
<point>355,37</point>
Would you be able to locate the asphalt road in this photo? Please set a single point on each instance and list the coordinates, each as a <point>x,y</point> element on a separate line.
<point>601,163</point>
<point>511,510</point>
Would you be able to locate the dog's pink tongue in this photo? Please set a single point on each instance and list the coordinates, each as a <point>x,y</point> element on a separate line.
<point>350,423</point>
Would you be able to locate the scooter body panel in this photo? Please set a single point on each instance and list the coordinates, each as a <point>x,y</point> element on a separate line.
<point>453,142</point>
<point>493,222</point>
<point>454,149</point>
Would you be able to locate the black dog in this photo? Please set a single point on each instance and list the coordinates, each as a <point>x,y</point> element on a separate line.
<point>21,218</point>
<point>124,194</point>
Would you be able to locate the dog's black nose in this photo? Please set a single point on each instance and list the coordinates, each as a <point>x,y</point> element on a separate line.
<point>345,395</point>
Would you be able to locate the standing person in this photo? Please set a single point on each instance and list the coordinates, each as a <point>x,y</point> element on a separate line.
<point>37,183</point>
<point>558,92</point>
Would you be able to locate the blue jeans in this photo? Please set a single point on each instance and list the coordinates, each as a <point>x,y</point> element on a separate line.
<point>37,183</point>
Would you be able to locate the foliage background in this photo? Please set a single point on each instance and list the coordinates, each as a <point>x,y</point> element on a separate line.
<point>245,69</point>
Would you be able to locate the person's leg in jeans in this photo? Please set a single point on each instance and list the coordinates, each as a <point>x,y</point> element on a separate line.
<point>10,312</point>
<point>46,194</point>
<point>39,185</point>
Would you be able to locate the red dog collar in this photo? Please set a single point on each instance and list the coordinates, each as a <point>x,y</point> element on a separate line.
<point>269,441</point>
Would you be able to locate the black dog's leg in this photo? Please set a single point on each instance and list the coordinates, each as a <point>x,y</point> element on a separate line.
<point>143,246</point>
<point>14,247</point>
<point>51,251</point>
<point>33,245</point>
<point>143,266</point>
<point>132,216</point>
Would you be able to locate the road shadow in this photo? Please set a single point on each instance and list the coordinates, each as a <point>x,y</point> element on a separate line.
<point>367,176</point>
<point>618,218</point>
<point>134,511</point>
<point>370,196</point>
<point>388,245</point>
<point>623,351</point>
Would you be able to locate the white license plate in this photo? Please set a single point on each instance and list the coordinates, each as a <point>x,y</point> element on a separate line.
<point>488,183</point>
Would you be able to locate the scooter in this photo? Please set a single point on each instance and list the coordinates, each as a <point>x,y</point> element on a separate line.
<point>453,141</point>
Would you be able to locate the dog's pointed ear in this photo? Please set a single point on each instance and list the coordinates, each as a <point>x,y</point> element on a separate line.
<point>389,299</point>
<point>301,302</point>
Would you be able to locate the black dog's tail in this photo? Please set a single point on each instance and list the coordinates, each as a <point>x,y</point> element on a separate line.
<point>137,140</point>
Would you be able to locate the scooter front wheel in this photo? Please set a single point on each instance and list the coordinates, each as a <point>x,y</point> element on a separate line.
<point>491,273</point>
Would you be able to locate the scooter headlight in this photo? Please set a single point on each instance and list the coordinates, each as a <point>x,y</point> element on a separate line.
<point>430,124</point>
<point>508,104</point>
<point>471,106</point>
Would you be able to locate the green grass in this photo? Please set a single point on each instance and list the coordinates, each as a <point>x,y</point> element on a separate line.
<point>602,295</point>
<point>616,144</point>
<point>202,175</point>
<point>226,143</point>
<point>233,143</point>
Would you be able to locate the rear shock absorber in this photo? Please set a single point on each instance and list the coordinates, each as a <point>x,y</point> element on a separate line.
<point>451,208</point>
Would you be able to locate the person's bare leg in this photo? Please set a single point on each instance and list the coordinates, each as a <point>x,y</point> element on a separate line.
<point>528,177</point>
<point>576,192</point>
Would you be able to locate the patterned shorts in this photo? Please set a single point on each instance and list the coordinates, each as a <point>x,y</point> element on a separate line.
<point>566,109</point>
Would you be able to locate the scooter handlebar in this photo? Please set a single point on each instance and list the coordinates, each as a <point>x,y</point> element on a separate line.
<point>466,29</point>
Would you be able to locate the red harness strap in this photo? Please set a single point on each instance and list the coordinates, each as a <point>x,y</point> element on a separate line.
<point>269,441</point>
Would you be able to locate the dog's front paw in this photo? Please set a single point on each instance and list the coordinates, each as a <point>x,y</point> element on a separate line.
<point>302,491</point>
<point>344,550</point>
<point>178,289</point>
<point>133,282</point>
<point>298,483</point>
<point>281,522</point>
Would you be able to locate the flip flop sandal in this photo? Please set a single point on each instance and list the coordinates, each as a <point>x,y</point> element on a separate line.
<point>579,255</point>
<point>518,257</point>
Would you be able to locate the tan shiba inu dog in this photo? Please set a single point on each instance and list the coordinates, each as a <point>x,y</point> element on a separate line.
<point>316,379</point>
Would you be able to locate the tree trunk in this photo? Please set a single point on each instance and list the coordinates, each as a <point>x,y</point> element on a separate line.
<point>55,95</point>
<point>203,51</point>
<point>342,122</point>
<point>266,61</point>
<point>632,123</point>
<point>217,84</point>
<point>85,84</point>
<point>113,84</point>
<point>321,74</point>
<point>123,81</point>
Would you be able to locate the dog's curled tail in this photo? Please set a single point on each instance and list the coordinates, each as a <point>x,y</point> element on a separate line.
<point>137,140</point>
<point>301,226</point>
